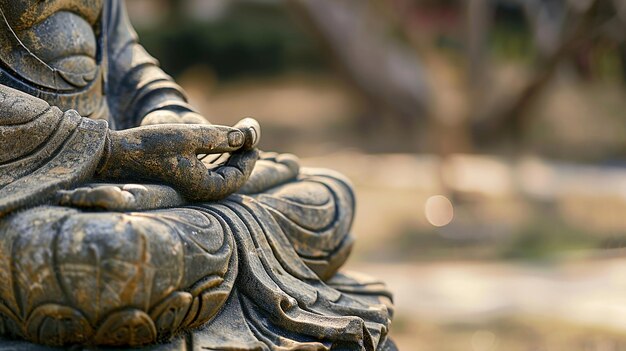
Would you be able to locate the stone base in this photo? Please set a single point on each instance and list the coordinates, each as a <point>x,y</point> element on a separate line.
<point>185,343</point>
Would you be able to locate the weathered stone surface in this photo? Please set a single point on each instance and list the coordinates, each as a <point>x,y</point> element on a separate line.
<point>115,230</point>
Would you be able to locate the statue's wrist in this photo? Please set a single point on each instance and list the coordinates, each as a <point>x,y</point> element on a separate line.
<point>103,168</point>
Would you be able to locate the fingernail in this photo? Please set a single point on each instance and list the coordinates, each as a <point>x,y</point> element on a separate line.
<point>253,136</point>
<point>235,138</point>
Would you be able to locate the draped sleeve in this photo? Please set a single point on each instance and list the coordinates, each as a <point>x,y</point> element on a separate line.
<point>43,149</point>
<point>136,85</point>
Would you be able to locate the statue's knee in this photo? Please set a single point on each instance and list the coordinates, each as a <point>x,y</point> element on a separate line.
<point>336,183</point>
<point>316,213</point>
<point>107,271</point>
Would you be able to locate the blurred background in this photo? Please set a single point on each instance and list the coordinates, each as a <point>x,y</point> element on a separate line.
<point>486,140</point>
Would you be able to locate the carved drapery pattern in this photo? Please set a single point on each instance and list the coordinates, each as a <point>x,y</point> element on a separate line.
<point>240,264</point>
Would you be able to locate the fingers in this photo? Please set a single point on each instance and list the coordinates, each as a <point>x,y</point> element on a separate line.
<point>224,180</point>
<point>204,138</point>
<point>186,139</point>
<point>252,131</point>
<point>161,135</point>
<point>104,196</point>
<point>214,139</point>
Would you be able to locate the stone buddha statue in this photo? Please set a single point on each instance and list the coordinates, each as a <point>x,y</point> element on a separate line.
<point>128,220</point>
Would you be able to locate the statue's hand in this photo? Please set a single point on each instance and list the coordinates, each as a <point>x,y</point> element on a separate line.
<point>168,154</point>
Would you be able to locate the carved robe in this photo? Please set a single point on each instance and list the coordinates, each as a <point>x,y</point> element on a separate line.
<point>83,263</point>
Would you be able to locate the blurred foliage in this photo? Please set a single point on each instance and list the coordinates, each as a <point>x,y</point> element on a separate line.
<point>545,236</point>
<point>510,38</point>
<point>254,39</point>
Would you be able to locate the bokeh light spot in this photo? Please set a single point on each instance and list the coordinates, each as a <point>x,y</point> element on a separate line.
<point>439,210</point>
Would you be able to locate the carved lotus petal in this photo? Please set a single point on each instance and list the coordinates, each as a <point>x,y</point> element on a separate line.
<point>57,325</point>
<point>126,328</point>
<point>169,314</point>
